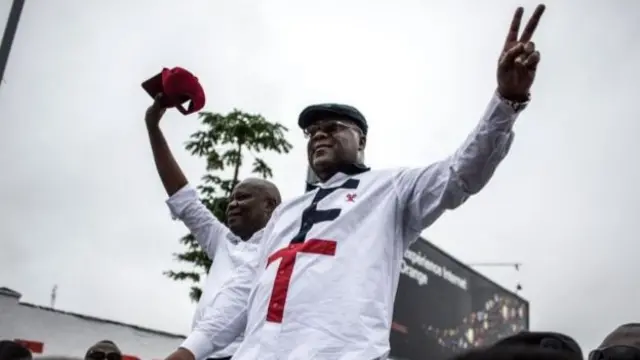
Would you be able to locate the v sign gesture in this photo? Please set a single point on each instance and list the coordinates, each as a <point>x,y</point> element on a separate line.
<point>519,58</point>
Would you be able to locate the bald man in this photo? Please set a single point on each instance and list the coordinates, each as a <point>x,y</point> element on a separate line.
<point>103,350</point>
<point>250,206</point>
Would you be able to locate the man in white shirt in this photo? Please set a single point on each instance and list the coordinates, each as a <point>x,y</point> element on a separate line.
<point>323,284</point>
<point>250,206</point>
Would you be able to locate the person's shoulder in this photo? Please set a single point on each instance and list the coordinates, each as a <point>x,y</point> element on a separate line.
<point>287,204</point>
<point>377,175</point>
<point>384,172</point>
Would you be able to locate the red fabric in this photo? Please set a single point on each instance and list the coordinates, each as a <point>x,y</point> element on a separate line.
<point>179,86</point>
<point>35,347</point>
<point>285,270</point>
<point>178,83</point>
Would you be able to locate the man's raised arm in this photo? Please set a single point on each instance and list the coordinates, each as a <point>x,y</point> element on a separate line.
<point>183,201</point>
<point>170,173</point>
<point>425,193</point>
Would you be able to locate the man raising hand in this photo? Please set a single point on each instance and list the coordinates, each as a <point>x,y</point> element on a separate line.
<point>323,284</point>
<point>250,206</point>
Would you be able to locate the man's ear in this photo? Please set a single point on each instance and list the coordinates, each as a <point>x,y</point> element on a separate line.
<point>362,143</point>
<point>270,205</point>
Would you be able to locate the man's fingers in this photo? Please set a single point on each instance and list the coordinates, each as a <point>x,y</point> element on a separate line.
<point>532,24</point>
<point>512,35</point>
<point>157,109</point>
<point>531,62</point>
<point>529,47</point>
<point>510,55</point>
<point>157,102</point>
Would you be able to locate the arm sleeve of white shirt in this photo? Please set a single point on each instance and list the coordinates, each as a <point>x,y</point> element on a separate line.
<point>225,318</point>
<point>425,193</point>
<point>186,206</point>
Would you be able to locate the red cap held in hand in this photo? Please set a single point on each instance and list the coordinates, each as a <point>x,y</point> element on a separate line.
<point>179,86</point>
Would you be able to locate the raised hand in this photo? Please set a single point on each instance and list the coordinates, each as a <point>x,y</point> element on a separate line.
<point>519,59</point>
<point>155,111</point>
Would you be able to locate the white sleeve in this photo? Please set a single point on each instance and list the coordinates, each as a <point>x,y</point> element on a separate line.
<point>225,318</point>
<point>425,193</point>
<point>186,206</point>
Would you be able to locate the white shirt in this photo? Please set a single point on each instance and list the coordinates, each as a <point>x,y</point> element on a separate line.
<point>226,251</point>
<point>331,296</point>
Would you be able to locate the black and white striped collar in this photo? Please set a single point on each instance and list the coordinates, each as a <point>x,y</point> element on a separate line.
<point>345,171</point>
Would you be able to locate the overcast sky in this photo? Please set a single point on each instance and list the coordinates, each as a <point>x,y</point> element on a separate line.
<point>81,205</point>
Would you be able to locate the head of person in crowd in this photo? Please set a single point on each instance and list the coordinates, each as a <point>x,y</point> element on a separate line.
<point>103,350</point>
<point>10,350</point>
<point>623,343</point>
<point>250,206</point>
<point>544,340</point>
<point>337,136</point>
<point>513,352</point>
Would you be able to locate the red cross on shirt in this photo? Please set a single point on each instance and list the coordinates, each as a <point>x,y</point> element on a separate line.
<point>285,270</point>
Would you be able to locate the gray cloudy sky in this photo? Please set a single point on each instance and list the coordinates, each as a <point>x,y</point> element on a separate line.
<point>81,205</point>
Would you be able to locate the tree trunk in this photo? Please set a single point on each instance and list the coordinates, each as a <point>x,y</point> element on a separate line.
<point>236,170</point>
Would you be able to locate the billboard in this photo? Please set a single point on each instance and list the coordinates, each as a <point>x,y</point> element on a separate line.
<point>443,307</point>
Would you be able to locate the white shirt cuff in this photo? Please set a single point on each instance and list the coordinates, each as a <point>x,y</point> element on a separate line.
<point>198,344</point>
<point>510,107</point>
<point>180,200</point>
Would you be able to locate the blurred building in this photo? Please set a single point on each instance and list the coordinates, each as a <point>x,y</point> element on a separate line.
<point>48,331</point>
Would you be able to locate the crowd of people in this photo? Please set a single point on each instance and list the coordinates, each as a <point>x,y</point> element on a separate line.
<point>314,277</point>
<point>623,343</point>
<point>102,350</point>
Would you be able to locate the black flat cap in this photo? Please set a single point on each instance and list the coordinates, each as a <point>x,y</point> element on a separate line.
<point>317,112</point>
